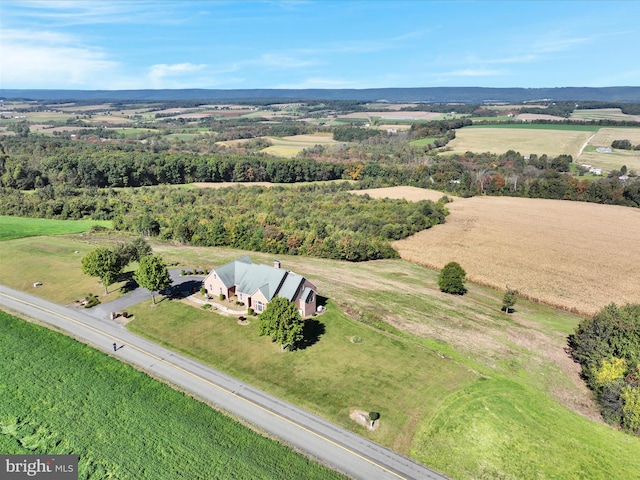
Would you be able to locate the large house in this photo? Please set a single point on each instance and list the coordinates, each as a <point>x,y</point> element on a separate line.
<point>255,285</point>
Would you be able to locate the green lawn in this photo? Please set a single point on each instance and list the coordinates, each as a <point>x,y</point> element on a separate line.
<point>18,227</point>
<point>500,429</point>
<point>56,263</point>
<point>442,369</point>
<point>329,377</point>
<point>120,422</point>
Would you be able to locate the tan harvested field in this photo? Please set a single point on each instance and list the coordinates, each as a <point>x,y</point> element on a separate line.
<point>389,106</point>
<point>395,127</point>
<point>72,107</point>
<point>573,255</point>
<point>605,136</point>
<point>528,117</point>
<point>523,140</point>
<point>617,158</point>
<point>395,115</point>
<point>412,194</point>
<point>514,106</point>
<point>291,146</point>
<point>603,114</point>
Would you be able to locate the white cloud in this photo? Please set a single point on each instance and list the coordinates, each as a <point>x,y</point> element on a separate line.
<point>158,74</point>
<point>37,59</point>
<point>66,13</point>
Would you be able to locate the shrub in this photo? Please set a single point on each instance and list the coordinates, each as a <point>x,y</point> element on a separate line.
<point>182,273</point>
<point>206,306</point>
<point>203,291</point>
<point>222,297</point>
<point>250,311</point>
<point>91,300</point>
<point>373,416</point>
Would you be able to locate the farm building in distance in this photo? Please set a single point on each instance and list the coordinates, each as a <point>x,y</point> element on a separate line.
<point>255,285</point>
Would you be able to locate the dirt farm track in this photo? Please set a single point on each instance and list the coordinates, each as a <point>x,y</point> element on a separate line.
<point>574,255</point>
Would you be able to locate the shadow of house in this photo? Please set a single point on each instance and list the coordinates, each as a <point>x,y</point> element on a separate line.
<point>187,288</point>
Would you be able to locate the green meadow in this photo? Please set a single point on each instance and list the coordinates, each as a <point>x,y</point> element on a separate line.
<point>18,227</point>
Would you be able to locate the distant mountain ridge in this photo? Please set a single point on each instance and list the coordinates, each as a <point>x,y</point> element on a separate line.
<point>393,95</point>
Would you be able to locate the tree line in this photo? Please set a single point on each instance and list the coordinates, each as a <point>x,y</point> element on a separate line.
<point>325,221</point>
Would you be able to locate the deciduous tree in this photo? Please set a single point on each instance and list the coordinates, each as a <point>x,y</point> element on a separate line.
<point>103,263</point>
<point>282,322</point>
<point>152,274</point>
<point>451,279</point>
<point>509,299</point>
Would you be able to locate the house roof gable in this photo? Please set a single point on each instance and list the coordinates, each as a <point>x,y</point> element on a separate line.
<point>249,277</point>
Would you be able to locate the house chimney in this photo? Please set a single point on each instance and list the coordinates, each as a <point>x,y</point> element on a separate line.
<point>276,264</point>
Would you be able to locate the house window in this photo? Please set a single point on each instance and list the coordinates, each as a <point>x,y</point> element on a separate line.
<point>259,307</point>
<point>310,298</point>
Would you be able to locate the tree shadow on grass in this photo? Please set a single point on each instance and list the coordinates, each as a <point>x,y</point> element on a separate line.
<point>130,284</point>
<point>313,330</point>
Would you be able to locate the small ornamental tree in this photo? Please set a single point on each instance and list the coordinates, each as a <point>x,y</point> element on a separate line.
<point>451,279</point>
<point>152,274</point>
<point>103,263</point>
<point>509,300</point>
<point>282,322</point>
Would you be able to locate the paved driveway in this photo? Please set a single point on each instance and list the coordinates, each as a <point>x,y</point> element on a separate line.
<point>181,285</point>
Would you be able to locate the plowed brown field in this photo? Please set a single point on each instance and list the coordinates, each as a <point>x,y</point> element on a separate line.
<point>573,255</point>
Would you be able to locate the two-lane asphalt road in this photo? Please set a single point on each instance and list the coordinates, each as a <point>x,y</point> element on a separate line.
<point>340,449</point>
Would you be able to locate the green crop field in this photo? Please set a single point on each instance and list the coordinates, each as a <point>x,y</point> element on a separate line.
<point>62,397</point>
<point>460,386</point>
<point>18,227</point>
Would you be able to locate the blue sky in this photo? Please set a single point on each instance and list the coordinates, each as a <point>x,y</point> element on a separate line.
<point>153,44</point>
